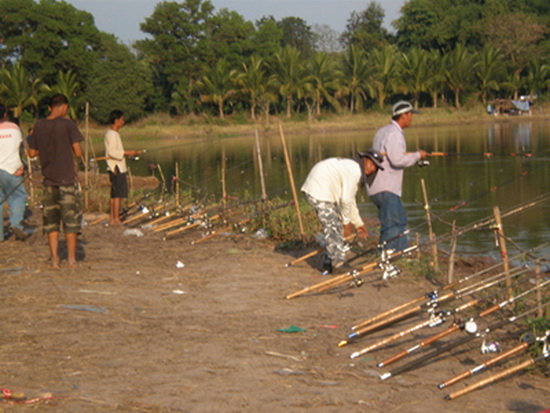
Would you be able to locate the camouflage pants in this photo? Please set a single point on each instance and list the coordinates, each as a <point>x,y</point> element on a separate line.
<point>333,228</point>
<point>62,204</point>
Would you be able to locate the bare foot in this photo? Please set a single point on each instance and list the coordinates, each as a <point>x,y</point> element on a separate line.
<point>72,265</point>
<point>114,224</point>
<point>54,263</point>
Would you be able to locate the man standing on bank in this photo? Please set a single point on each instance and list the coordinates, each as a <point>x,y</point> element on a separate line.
<point>56,140</point>
<point>12,187</point>
<point>116,164</point>
<point>385,192</point>
<point>330,188</point>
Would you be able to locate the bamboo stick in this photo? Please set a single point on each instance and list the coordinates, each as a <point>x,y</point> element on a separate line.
<point>291,177</point>
<point>260,165</point>
<point>86,158</point>
<point>452,256</point>
<point>431,235</point>
<point>499,232</point>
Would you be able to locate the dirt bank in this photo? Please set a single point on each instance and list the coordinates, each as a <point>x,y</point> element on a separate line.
<point>129,331</point>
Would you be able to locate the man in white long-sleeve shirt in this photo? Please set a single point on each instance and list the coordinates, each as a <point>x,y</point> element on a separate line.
<point>330,189</point>
<point>116,164</point>
<point>385,192</point>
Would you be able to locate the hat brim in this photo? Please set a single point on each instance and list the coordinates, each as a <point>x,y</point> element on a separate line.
<point>372,158</point>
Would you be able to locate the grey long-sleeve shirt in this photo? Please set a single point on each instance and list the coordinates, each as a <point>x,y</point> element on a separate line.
<point>390,140</point>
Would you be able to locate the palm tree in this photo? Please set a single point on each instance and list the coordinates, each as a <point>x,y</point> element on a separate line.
<point>289,75</point>
<point>488,70</point>
<point>68,85</point>
<point>436,74</point>
<point>416,75</point>
<point>458,71</point>
<point>253,82</point>
<point>323,77</point>
<point>514,82</point>
<point>218,85</point>
<point>385,73</point>
<point>19,90</point>
<point>537,77</point>
<point>355,72</point>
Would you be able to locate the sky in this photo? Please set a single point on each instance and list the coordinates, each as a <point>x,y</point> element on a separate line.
<point>122,17</point>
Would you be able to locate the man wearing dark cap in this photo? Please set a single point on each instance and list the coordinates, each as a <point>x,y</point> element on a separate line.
<point>330,189</point>
<point>385,191</point>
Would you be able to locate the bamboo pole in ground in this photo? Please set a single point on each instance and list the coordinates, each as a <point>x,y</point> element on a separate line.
<point>540,311</point>
<point>452,256</point>
<point>431,235</point>
<point>224,192</point>
<point>260,165</point>
<point>177,172</point>
<point>291,178</point>
<point>31,185</point>
<point>86,158</point>
<point>499,232</point>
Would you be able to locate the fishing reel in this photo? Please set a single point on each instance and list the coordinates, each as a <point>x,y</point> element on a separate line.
<point>470,326</point>
<point>422,163</point>
<point>356,281</point>
<point>492,347</point>
<point>390,270</point>
<point>439,317</point>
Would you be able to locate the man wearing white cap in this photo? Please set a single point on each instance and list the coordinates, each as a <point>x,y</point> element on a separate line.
<point>385,191</point>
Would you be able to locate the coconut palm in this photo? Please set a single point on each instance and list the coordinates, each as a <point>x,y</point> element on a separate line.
<point>415,73</point>
<point>436,75</point>
<point>384,74</point>
<point>458,71</point>
<point>218,85</point>
<point>537,77</point>
<point>289,75</point>
<point>355,72</point>
<point>19,90</point>
<point>323,78</point>
<point>253,82</point>
<point>488,71</point>
<point>68,86</point>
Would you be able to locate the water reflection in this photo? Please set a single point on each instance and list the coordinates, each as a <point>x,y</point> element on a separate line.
<point>462,187</point>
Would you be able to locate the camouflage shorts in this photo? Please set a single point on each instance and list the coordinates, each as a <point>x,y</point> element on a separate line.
<point>333,228</point>
<point>62,204</point>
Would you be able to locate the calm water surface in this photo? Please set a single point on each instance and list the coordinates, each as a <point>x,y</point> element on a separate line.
<point>465,178</point>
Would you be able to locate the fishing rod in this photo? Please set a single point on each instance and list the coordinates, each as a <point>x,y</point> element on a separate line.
<point>435,293</point>
<point>518,367</point>
<point>527,341</point>
<point>463,340</point>
<point>436,317</point>
<point>460,325</point>
<point>353,275</point>
<point>431,307</point>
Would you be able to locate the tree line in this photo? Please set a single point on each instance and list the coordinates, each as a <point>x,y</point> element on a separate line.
<point>196,60</point>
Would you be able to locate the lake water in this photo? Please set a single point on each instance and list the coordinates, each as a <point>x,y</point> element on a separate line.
<point>470,180</point>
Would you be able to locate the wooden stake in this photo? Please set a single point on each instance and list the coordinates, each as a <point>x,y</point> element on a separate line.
<point>430,231</point>
<point>260,165</point>
<point>540,311</point>
<point>452,256</point>
<point>499,233</point>
<point>177,184</point>
<point>224,193</point>
<point>31,185</point>
<point>291,177</point>
<point>86,158</point>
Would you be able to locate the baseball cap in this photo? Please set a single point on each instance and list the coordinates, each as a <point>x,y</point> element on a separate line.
<point>374,156</point>
<point>403,107</point>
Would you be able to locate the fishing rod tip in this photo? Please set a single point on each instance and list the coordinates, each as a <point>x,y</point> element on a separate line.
<point>342,343</point>
<point>380,364</point>
<point>385,376</point>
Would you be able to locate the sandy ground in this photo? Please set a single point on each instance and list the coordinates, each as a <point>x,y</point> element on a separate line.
<point>203,338</point>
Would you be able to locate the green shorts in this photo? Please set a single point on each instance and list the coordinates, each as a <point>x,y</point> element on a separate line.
<point>62,204</point>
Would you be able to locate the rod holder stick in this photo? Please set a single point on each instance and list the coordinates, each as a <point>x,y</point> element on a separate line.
<point>291,178</point>
<point>452,256</point>
<point>177,171</point>
<point>499,232</point>
<point>540,312</point>
<point>224,189</point>
<point>260,164</point>
<point>431,235</point>
<point>86,158</point>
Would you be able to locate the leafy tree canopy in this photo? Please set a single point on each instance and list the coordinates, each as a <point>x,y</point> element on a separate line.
<point>365,29</point>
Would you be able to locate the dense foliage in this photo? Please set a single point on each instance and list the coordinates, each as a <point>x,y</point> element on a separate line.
<point>202,61</point>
